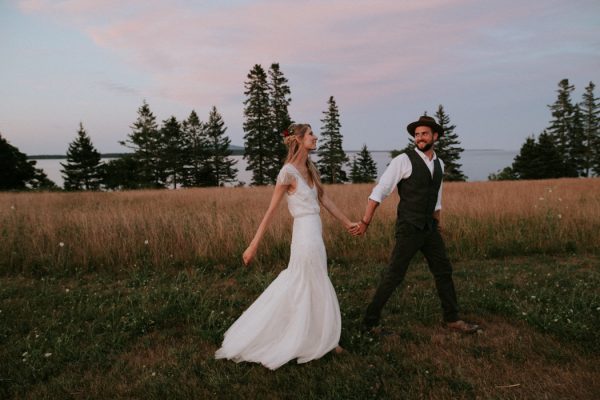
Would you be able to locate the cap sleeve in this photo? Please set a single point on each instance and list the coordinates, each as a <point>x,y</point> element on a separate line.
<point>286,176</point>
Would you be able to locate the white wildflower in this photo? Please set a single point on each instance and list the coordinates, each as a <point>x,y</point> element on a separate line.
<point>61,244</point>
<point>559,216</point>
<point>47,355</point>
<point>67,290</point>
<point>24,354</point>
<point>541,198</point>
<point>146,241</point>
<point>154,374</point>
<point>12,207</point>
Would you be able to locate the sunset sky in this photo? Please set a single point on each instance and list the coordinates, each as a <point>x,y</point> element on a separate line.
<point>494,65</point>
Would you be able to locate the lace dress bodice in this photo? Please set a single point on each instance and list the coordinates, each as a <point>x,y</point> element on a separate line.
<point>304,201</point>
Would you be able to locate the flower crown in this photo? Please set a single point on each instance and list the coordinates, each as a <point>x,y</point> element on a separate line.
<point>287,132</point>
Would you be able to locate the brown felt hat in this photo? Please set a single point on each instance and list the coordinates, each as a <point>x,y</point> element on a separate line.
<point>425,120</point>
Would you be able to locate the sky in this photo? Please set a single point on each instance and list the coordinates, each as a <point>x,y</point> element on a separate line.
<point>494,65</point>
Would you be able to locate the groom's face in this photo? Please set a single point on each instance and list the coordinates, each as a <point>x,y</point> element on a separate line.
<point>424,138</point>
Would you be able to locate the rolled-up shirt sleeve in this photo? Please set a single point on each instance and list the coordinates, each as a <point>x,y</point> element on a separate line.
<point>399,168</point>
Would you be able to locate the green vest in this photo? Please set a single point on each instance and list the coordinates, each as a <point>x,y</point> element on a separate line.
<point>419,192</point>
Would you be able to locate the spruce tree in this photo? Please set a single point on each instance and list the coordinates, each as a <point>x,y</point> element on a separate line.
<point>332,157</point>
<point>279,99</point>
<point>220,166</point>
<point>121,174</point>
<point>145,142</point>
<point>577,142</point>
<point>590,109</point>
<point>196,173</point>
<point>448,148</point>
<point>561,128</point>
<point>173,155</point>
<point>83,169</point>
<point>526,163</point>
<point>19,173</point>
<point>259,141</point>
<point>364,169</point>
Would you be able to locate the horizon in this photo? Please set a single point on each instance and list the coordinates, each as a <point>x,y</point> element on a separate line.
<point>494,67</point>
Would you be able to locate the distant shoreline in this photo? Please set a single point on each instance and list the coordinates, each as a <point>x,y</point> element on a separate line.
<point>234,152</point>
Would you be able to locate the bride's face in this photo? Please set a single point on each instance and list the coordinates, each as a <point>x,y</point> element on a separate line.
<point>309,141</point>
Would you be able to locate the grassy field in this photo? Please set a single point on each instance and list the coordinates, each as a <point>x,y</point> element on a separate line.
<point>127,295</point>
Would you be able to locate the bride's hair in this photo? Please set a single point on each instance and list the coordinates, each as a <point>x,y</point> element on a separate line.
<point>295,134</point>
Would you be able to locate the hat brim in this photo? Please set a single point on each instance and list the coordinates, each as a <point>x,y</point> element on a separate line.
<point>434,127</point>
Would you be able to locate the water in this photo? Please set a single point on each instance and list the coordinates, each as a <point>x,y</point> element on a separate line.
<point>476,164</point>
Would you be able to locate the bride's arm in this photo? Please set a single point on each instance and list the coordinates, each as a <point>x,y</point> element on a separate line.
<point>262,228</point>
<point>332,208</point>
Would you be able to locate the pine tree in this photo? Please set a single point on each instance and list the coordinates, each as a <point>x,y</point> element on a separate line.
<point>332,157</point>
<point>279,99</point>
<point>220,165</point>
<point>561,128</point>
<point>526,164</point>
<point>173,157</point>
<point>591,131</point>
<point>538,160</point>
<point>448,148</point>
<point>145,142</point>
<point>196,173</point>
<point>258,139</point>
<point>19,173</point>
<point>548,157</point>
<point>578,145</point>
<point>364,169</point>
<point>83,169</point>
<point>121,174</point>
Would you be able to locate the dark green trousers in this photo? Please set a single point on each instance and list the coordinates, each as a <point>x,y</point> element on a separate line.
<point>409,240</point>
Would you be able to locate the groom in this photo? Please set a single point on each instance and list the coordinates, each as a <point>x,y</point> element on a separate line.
<point>418,176</point>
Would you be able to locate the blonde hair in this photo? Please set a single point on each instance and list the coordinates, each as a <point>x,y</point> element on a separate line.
<point>292,141</point>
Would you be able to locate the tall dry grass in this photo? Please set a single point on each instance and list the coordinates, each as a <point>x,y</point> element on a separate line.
<point>64,233</point>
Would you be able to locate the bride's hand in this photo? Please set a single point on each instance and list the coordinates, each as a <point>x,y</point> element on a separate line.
<point>352,227</point>
<point>248,255</point>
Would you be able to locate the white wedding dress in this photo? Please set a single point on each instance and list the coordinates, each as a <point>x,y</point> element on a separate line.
<point>298,315</point>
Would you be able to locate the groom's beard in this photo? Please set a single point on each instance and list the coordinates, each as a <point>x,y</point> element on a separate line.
<point>426,147</point>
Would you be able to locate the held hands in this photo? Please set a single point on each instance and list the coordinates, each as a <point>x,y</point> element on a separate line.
<point>358,228</point>
<point>351,227</point>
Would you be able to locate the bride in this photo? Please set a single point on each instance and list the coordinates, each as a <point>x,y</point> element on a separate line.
<point>298,315</point>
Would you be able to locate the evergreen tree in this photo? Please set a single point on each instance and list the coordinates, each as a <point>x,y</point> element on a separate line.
<point>591,131</point>
<point>548,157</point>
<point>332,157</point>
<point>410,146</point>
<point>219,164</point>
<point>538,160</point>
<point>578,145</point>
<point>145,142</point>
<point>19,173</point>
<point>196,173</point>
<point>448,148</point>
<point>83,169</point>
<point>173,157</point>
<point>364,169</point>
<point>121,174</point>
<point>506,174</point>
<point>525,164</point>
<point>561,128</point>
<point>279,98</point>
<point>260,149</point>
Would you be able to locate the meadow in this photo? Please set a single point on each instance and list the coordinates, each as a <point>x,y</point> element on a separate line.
<point>127,295</point>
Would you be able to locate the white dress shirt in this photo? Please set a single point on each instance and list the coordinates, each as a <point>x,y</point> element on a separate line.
<point>401,168</point>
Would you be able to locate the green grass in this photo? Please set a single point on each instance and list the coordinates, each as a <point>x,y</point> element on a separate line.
<point>152,334</point>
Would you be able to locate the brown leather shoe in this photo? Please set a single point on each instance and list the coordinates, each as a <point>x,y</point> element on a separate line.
<point>463,327</point>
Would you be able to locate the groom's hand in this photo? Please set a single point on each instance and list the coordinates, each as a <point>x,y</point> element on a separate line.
<point>362,228</point>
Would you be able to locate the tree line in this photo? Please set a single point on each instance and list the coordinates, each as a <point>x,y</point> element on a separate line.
<point>568,147</point>
<point>193,153</point>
